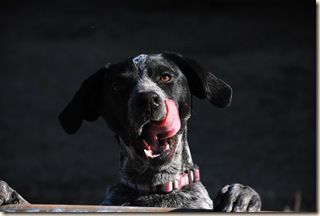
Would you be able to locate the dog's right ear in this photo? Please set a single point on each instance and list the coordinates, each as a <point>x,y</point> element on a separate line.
<point>86,103</point>
<point>203,84</point>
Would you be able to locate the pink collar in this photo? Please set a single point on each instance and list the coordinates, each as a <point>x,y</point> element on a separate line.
<point>187,177</point>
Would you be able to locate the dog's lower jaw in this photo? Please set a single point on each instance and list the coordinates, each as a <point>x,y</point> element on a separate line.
<point>193,196</point>
<point>134,164</point>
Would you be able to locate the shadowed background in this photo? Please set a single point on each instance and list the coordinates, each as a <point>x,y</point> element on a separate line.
<point>265,50</point>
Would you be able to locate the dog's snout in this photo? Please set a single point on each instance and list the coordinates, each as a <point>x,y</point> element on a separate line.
<point>147,106</point>
<point>148,99</point>
<point>155,100</point>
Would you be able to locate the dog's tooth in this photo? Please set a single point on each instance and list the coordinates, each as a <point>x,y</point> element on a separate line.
<point>148,153</point>
<point>146,146</point>
<point>154,156</point>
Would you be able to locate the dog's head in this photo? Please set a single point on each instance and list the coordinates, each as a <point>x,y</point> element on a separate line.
<point>146,101</point>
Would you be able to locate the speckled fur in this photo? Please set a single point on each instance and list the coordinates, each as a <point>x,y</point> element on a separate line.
<point>112,93</point>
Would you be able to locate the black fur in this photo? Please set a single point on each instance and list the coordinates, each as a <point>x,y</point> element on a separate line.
<point>129,95</point>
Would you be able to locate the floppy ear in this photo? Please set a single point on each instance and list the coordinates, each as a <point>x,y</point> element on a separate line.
<point>85,105</point>
<point>202,83</point>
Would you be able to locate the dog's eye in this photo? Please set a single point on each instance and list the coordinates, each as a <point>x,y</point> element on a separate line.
<point>116,87</point>
<point>165,77</point>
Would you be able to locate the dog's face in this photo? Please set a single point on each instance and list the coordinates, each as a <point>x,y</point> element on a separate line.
<point>146,101</point>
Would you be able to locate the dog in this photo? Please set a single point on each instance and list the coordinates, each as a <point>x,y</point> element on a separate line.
<point>146,101</point>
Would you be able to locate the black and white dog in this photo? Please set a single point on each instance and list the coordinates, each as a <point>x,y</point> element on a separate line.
<point>147,102</point>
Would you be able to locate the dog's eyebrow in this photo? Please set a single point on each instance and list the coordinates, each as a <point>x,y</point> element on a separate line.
<point>120,70</point>
<point>117,75</point>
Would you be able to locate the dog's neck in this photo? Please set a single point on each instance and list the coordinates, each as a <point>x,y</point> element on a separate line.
<point>137,172</point>
<point>187,177</point>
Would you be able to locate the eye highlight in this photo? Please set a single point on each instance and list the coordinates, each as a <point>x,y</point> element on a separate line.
<point>165,77</point>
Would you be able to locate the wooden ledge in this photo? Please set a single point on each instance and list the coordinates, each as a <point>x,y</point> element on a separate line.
<point>46,208</point>
<point>30,208</point>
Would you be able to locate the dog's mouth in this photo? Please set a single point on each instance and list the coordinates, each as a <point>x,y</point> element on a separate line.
<point>158,138</point>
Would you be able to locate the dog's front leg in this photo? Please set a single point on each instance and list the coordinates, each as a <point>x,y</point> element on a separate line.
<point>9,196</point>
<point>237,198</point>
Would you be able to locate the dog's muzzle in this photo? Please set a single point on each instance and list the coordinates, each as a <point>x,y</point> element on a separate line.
<point>155,122</point>
<point>145,107</point>
<point>150,104</point>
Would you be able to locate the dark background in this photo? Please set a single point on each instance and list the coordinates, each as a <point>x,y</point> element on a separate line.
<point>265,50</point>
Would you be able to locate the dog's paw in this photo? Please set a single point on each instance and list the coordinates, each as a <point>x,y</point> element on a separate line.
<point>237,198</point>
<point>9,196</point>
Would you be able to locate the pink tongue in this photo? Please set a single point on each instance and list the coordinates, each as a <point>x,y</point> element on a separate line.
<point>168,127</point>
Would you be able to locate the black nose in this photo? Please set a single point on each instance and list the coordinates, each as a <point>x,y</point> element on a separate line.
<point>148,99</point>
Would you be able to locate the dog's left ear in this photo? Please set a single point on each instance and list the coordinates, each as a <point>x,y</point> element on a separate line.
<point>85,105</point>
<point>202,83</point>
